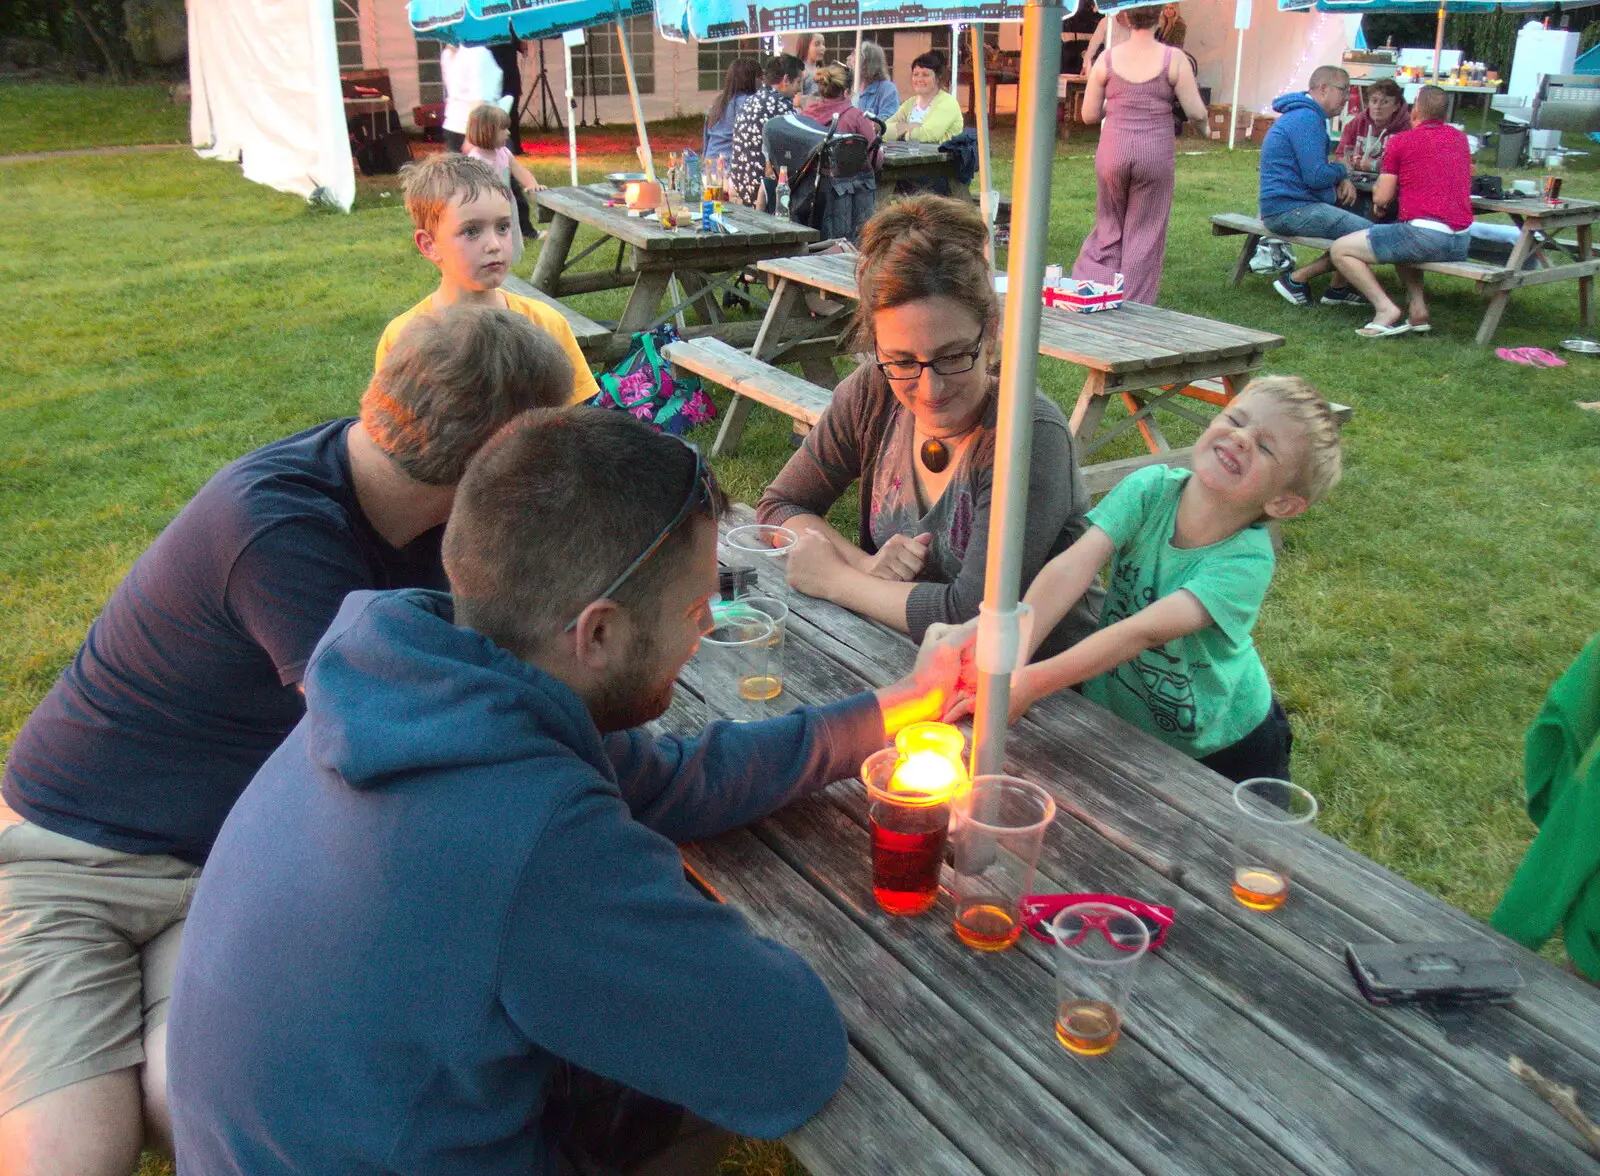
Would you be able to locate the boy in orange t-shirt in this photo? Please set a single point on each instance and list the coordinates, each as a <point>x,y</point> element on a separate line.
<point>463,219</point>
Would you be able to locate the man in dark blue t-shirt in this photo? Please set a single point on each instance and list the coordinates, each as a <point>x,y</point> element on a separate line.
<point>185,684</point>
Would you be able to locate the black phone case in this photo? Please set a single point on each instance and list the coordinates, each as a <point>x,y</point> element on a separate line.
<point>1467,972</point>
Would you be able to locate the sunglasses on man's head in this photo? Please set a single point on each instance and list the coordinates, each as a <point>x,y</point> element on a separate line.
<point>702,493</point>
<point>1039,909</point>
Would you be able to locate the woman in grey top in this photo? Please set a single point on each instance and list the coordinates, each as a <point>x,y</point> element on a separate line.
<point>916,428</point>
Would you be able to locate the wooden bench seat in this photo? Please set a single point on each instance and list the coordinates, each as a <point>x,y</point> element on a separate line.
<point>1228,224</point>
<point>728,367</point>
<point>593,338</point>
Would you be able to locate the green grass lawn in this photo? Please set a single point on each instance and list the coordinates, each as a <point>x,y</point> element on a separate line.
<point>163,316</point>
<point>40,116</point>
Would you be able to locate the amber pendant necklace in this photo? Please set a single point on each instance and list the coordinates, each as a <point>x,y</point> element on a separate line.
<point>935,455</point>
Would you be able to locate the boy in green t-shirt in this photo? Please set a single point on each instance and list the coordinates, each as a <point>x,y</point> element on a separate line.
<point>1191,561</point>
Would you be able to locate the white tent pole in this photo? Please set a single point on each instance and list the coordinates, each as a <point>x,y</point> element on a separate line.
<point>645,160</point>
<point>955,61</point>
<point>572,114</point>
<point>980,114</point>
<point>1238,68</point>
<point>1438,43</point>
<point>855,74</point>
<point>998,651</point>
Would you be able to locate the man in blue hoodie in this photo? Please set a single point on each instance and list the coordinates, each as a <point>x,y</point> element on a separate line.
<point>1303,192</point>
<point>448,917</point>
<point>183,687</point>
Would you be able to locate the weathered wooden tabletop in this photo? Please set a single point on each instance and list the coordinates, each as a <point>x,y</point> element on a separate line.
<point>649,258</point>
<point>907,160</point>
<point>1246,1047</point>
<point>1147,355</point>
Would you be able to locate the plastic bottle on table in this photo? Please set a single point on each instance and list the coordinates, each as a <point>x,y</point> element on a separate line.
<point>781,203</point>
<point>689,177</point>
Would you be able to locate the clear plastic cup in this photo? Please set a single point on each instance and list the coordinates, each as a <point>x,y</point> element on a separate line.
<point>996,829</point>
<point>909,823</point>
<point>733,660</point>
<point>757,557</point>
<point>1270,821</point>
<point>768,689</point>
<point>1099,948</point>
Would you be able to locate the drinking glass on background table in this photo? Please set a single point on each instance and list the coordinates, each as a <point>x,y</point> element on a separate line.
<point>768,687</point>
<point>997,828</point>
<point>733,660</point>
<point>1271,819</point>
<point>1099,949</point>
<point>909,819</point>
<point>758,557</point>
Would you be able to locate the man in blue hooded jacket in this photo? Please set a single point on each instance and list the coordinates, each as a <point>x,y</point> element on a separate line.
<point>1303,192</point>
<point>448,917</point>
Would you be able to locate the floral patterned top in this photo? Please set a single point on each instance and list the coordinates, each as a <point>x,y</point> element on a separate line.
<point>748,164</point>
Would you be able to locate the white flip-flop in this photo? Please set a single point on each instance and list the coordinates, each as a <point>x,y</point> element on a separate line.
<point>1376,330</point>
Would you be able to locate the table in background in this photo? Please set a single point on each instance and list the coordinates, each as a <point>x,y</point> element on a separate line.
<point>1540,223</point>
<point>1148,356</point>
<point>995,78</point>
<point>1069,102</point>
<point>654,256</point>
<point>1452,89</point>
<point>907,160</point>
<point>1246,1048</point>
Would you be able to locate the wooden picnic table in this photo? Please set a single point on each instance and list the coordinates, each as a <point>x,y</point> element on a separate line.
<point>1148,356</point>
<point>699,260</point>
<point>1554,260</point>
<point>906,160</point>
<point>1246,1047</point>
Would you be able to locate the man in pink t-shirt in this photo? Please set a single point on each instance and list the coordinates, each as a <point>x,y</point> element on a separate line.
<point>1430,167</point>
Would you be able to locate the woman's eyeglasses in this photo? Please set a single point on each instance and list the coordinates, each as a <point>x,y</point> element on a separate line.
<point>1121,930</point>
<point>702,494</point>
<point>945,365</point>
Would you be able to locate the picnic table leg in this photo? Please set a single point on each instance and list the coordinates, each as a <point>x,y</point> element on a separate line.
<point>787,296</point>
<point>1586,283</point>
<point>1242,266</point>
<point>1497,304</point>
<point>1154,439</point>
<point>704,295</point>
<point>644,301</point>
<point>553,251</point>
<point>1087,412</point>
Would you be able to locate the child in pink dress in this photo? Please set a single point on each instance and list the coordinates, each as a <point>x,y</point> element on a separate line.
<point>488,128</point>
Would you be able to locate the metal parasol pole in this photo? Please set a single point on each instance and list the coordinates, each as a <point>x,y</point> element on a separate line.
<point>980,113</point>
<point>855,74</point>
<point>999,639</point>
<point>645,160</point>
<point>1238,68</point>
<point>572,110</point>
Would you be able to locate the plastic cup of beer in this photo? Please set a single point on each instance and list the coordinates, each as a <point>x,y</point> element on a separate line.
<point>1270,821</point>
<point>1098,951</point>
<point>909,818</point>
<point>996,830</point>
<point>758,556</point>
<point>769,687</point>
<point>733,659</point>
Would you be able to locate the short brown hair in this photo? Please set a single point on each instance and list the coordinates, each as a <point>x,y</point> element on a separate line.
<point>440,180</point>
<point>553,509</point>
<point>1143,18</point>
<point>451,379</point>
<point>1389,88</point>
<point>485,123</point>
<point>1323,462</point>
<point>1430,103</point>
<point>922,247</point>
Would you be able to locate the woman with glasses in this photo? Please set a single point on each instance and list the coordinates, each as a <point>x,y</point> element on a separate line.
<point>914,428</point>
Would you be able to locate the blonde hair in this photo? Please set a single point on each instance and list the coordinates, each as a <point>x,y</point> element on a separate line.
<point>923,247</point>
<point>484,125</point>
<point>833,80</point>
<point>438,181</point>
<point>1323,463</point>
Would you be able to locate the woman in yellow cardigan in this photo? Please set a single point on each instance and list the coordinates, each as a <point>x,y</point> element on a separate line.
<point>931,114</point>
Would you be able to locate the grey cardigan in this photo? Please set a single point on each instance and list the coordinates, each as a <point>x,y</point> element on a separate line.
<point>846,446</point>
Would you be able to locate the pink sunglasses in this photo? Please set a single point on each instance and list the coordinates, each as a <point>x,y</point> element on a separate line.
<point>1038,910</point>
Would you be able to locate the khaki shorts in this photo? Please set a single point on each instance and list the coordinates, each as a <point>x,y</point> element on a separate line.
<point>88,946</point>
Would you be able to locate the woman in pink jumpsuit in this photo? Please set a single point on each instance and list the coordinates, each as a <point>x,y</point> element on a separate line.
<point>1134,165</point>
